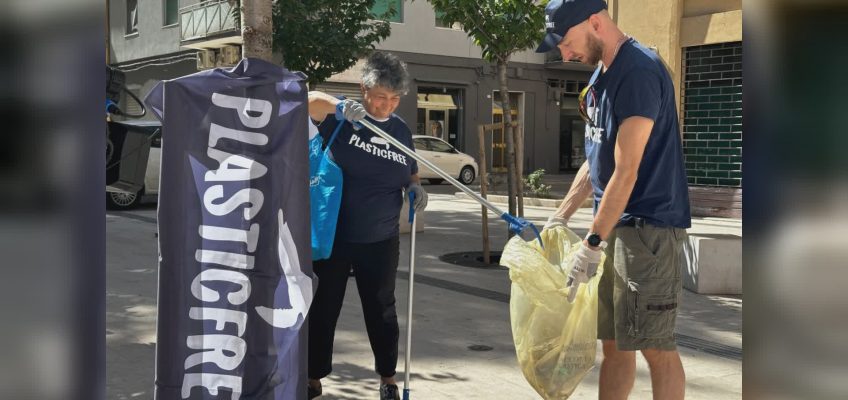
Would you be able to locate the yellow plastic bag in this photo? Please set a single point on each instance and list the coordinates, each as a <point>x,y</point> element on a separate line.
<point>555,340</point>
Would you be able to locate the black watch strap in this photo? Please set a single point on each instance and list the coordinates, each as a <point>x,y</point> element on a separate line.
<point>594,239</point>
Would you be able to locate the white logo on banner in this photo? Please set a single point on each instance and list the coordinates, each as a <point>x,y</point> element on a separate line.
<point>299,285</point>
<point>226,348</point>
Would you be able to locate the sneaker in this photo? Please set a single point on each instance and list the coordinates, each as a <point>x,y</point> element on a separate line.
<point>389,392</point>
<point>313,392</point>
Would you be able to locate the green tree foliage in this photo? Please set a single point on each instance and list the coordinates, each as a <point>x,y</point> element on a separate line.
<point>324,37</point>
<point>500,28</point>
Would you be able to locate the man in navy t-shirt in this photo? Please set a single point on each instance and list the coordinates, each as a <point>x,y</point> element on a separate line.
<point>636,173</point>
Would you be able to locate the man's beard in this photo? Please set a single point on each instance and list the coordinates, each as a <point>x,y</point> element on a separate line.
<point>596,50</point>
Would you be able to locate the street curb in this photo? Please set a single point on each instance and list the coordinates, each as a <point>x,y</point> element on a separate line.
<point>528,201</point>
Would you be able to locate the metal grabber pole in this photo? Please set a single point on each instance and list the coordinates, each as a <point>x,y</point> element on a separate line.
<point>517,225</point>
<point>408,352</point>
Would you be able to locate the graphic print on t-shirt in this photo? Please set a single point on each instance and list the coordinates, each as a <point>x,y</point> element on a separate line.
<point>594,132</point>
<point>378,147</point>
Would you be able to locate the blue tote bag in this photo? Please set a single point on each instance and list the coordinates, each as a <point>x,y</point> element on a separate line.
<point>325,195</point>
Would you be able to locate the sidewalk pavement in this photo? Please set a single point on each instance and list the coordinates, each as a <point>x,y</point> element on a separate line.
<point>455,309</point>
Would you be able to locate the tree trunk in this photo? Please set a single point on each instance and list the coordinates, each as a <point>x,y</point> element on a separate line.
<point>508,135</point>
<point>256,29</point>
<point>484,179</point>
<point>519,167</point>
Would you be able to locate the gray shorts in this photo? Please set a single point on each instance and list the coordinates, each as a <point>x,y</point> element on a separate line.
<point>639,291</point>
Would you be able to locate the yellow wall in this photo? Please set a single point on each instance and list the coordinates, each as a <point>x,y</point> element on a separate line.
<point>694,8</point>
<point>655,24</point>
<point>671,25</point>
<point>711,28</point>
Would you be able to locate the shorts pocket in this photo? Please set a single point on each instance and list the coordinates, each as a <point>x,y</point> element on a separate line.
<point>637,242</point>
<point>652,307</point>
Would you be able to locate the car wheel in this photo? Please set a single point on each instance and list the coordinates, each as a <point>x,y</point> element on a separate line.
<point>466,175</point>
<point>122,200</point>
<point>435,181</point>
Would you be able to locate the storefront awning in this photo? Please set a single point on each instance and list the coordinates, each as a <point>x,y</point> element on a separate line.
<point>436,101</point>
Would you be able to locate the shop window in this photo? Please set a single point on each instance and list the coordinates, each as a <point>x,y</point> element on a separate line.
<point>440,114</point>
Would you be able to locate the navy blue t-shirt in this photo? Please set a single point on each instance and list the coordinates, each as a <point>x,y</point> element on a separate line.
<point>375,173</point>
<point>638,84</point>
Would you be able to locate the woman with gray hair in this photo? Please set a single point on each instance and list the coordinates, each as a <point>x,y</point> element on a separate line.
<point>376,175</point>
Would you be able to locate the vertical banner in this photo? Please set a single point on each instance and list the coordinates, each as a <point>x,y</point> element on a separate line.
<point>235,277</point>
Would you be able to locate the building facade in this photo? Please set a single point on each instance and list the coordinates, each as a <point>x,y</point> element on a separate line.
<point>453,90</point>
<point>154,40</point>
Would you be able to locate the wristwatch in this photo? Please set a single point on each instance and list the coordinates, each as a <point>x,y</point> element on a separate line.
<point>594,240</point>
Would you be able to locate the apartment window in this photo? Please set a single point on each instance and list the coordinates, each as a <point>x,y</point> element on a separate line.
<point>132,16</point>
<point>383,6</point>
<point>439,22</point>
<point>442,24</point>
<point>172,14</point>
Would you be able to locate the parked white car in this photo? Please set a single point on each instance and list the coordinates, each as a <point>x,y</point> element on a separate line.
<point>150,190</point>
<point>445,157</point>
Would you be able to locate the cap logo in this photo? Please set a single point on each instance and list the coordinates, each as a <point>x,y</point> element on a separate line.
<point>549,25</point>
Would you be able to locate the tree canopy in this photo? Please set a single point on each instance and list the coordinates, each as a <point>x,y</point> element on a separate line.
<point>499,27</point>
<point>324,37</point>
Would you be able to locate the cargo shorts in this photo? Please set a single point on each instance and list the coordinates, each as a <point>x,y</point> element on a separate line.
<point>640,288</point>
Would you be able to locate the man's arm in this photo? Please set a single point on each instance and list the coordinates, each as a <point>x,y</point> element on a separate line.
<point>581,188</point>
<point>633,134</point>
<point>320,105</point>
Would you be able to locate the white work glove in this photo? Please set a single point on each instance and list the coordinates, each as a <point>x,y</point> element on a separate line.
<point>553,221</point>
<point>420,202</point>
<point>350,110</point>
<point>583,266</point>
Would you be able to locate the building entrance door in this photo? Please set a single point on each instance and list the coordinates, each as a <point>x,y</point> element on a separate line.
<point>440,114</point>
<point>516,106</point>
<point>571,143</point>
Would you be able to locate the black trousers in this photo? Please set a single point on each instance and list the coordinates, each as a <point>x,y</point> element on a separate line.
<point>375,269</point>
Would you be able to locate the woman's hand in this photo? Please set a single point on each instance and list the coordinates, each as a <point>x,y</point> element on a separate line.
<point>420,202</point>
<point>350,110</point>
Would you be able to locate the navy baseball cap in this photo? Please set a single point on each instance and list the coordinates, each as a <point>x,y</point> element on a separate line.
<point>561,15</point>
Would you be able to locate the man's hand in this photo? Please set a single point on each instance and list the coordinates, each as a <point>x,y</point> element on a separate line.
<point>583,266</point>
<point>554,220</point>
<point>420,202</point>
<point>350,110</point>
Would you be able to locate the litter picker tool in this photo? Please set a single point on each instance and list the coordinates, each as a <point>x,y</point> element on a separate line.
<point>409,296</point>
<point>517,225</point>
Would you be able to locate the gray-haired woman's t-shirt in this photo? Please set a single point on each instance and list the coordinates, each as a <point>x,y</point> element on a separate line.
<point>375,173</point>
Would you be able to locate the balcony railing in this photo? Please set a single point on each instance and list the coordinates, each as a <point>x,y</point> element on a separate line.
<point>206,19</point>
